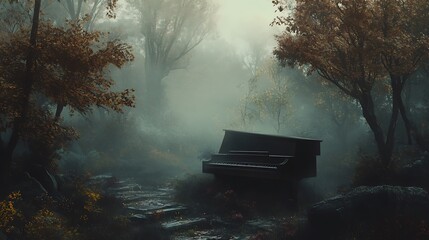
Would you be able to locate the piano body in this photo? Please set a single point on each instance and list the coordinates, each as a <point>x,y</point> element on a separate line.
<point>263,156</point>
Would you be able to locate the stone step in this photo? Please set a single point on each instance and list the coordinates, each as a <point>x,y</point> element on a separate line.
<point>207,234</point>
<point>156,208</point>
<point>144,210</point>
<point>125,188</point>
<point>101,180</point>
<point>102,177</point>
<point>126,181</point>
<point>150,203</point>
<point>158,213</point>
<point>139,218</point>
<point>130,198</point>
<point>184,224</point>
<point>168,212</point>
<point>262,224</point>
<point>143,193</point>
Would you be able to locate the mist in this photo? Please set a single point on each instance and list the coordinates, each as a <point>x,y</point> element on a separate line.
<point>203,97</point>
<point>120,104</point>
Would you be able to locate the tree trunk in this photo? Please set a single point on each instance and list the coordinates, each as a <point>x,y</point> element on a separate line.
<point>154,98</point>
<point>411,129</point>
<point>58,112</point>
<point>25,103</point>
<point>368,112</point>
<point>395,82</point>
<point>412,132</point>
<point>404,113</point>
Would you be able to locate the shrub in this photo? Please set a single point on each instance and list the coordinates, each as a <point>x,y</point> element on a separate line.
<point>47,225</point>
<point>9,214</point>
<point>370,172</point>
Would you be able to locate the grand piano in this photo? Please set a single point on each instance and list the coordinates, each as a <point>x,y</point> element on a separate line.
<point>255,155</point>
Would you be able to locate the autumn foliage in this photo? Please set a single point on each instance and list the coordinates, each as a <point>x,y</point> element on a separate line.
<point>70,69</point>
<point>355,44</point>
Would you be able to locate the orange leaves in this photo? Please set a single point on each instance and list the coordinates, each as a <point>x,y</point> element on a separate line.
<point>42,129</point>
<point>337,38</point>
<point>402,32</point>
<point>73,65</point>
<point>111,5</point>
<point>348,40</point>
<point>71,69</point>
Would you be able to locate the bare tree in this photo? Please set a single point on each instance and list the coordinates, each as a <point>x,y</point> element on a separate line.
<point>91,10</point>
<point>171,29</point>
<point>274,101</point>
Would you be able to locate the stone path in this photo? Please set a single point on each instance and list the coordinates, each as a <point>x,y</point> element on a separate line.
<point>180,222</point>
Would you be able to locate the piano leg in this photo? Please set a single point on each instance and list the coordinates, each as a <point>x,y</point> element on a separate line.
<point>290,193</point>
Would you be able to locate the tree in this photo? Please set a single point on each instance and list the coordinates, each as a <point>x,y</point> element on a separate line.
<point>13,15</point>
<point>58,67</point>
<point>89,9</point>
<point>171,29</point>
<point>344,42</point>
<point>341,110</point>
<point>19,116</point>
<point>274,100</point>
<point>252,62</point>
<point>404,45</point>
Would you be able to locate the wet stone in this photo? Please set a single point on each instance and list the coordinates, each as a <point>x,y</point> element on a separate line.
<point>203,235</point>
<point>105,179</point>
<point>262,224</point>
<point>102,177</point>
<point>146,210</point>
<point>133,197</point>
<point>150,204</point>
<point>171,211</point>
<point>163,212</point>
<point>139,218</point>
<point>133,187</point>
<point>180,225</point>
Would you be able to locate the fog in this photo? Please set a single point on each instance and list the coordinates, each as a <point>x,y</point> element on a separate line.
<point>112,114</point>
<point>216,86</point>
<point>214,71</point>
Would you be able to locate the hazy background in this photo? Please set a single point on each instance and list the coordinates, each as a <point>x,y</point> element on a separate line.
<point>229,81</point>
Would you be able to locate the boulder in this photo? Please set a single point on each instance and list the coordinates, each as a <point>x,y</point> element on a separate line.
<point>366,204</point>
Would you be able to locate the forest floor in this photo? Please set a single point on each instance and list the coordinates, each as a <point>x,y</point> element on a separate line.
<point>167,214</point>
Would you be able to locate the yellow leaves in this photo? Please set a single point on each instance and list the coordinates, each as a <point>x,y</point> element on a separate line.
<point>90,205</point>
<point>9,213</point>
<point>48,225</point>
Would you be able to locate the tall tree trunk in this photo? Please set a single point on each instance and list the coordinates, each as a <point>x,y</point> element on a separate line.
<point>154,104</point>
<point>407,123</point>
<point>412,132</point>
<point>25,102</point>
<point>58,112</point>
<point>395,82</point>
<point>368,112</point>
<point>404,112</point>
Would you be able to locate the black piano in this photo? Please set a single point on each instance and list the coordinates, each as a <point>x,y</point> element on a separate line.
<point>254,155</point>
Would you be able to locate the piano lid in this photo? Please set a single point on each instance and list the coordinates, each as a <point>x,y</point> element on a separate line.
<point>274,144</point>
